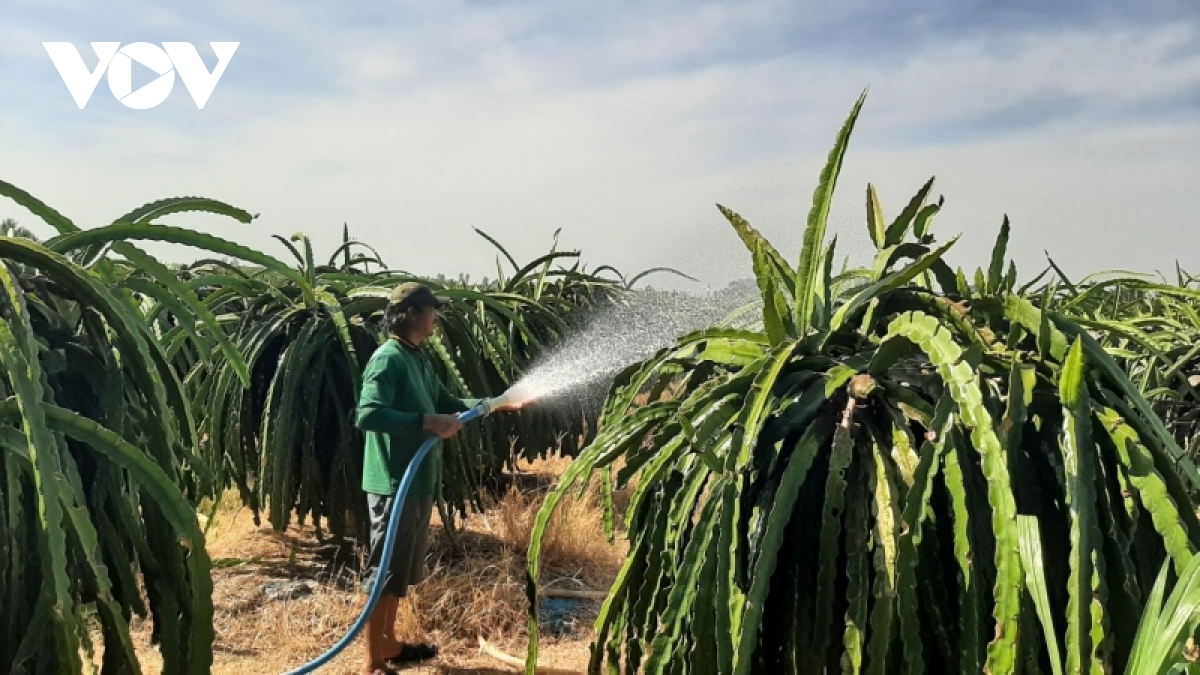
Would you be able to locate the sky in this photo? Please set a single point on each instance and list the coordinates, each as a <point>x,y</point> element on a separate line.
<point>625,124</point>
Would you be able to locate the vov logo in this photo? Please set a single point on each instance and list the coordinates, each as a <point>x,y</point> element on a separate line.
<point>172,57</point>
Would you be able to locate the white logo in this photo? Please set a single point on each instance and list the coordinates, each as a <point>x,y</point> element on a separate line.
<point>179,57</point>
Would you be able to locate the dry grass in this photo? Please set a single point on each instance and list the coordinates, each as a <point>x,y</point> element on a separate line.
<point>475,586</point>
<point>574,541</point>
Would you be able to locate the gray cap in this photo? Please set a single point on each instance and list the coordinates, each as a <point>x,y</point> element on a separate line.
<point>414,294</point>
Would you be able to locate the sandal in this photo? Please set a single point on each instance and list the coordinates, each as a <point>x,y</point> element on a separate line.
<point>411,653</point>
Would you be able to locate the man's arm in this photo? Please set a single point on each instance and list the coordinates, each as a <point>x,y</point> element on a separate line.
<point>375,412</point>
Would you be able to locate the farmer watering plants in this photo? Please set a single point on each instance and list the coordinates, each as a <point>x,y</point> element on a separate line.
<point>402,404</point>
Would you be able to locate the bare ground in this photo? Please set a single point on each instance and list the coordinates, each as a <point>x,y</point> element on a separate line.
<point>475,587</point>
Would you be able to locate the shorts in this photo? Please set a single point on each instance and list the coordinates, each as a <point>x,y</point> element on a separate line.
<point>407,566</point>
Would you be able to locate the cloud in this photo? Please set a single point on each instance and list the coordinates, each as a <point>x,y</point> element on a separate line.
<point>417,122</point>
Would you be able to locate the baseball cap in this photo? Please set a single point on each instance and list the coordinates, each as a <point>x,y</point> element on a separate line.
<point>414,294</point>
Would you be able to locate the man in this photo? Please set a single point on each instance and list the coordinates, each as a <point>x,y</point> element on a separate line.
<point>402,403</point>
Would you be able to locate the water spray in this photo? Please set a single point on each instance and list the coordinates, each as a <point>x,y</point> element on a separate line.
<point>515,394</point>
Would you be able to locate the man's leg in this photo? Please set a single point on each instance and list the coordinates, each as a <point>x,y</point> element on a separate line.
<point>408,563</point>
<point>391,645</point>
<point>374,635</point>
<point>377,628</point>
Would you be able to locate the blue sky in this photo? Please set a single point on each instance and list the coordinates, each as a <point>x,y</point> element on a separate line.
<point>623,124</point>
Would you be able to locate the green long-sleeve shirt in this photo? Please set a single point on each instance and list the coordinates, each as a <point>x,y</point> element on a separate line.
<point>399,388</point>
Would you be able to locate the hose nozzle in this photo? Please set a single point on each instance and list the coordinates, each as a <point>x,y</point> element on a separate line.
<point>495,402</point>
<point>484,407</point>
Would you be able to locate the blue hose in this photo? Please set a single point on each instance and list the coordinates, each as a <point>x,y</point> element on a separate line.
<point>389,543</point>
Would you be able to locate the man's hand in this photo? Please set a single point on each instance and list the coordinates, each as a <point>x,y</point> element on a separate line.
<point>443,426</point>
